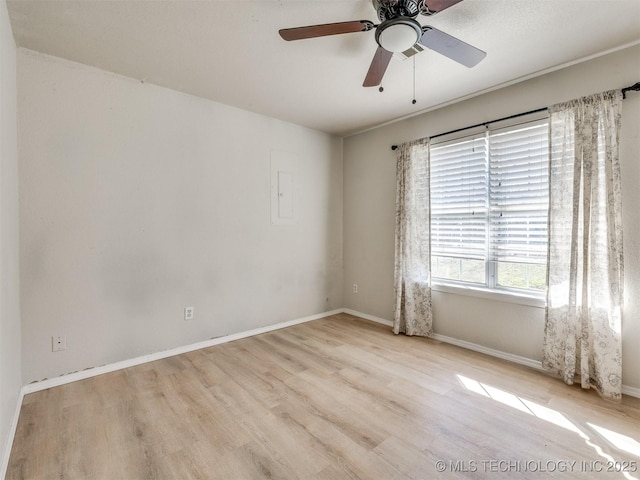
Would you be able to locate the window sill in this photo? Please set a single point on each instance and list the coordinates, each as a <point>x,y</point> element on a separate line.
<point>500,296</point>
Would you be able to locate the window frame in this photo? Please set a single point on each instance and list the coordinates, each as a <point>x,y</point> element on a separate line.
<point>490,288</point>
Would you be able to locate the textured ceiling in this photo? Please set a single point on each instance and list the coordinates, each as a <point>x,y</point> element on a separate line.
<point>230,51</point>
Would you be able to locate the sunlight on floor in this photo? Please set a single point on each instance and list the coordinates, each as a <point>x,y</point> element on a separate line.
<point>618,440</point>
<point>518,403</point>
<point>551,415</point>
<point>621,442</point>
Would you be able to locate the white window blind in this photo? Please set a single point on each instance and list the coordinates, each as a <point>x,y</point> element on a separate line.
<point>519,193</point>
<point>459,199</point>
<point>489,207</point>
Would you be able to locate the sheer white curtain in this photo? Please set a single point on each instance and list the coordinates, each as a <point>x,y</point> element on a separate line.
<point>412,278</point>
<point>584,302</point>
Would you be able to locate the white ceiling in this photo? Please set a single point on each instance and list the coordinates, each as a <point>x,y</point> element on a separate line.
<point>229,51</point>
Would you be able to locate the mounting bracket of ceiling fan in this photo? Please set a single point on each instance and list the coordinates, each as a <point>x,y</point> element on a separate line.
<point>387,9</point>
<point>398,32</point>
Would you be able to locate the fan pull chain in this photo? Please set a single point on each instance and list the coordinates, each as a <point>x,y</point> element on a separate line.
<point>413,102</point>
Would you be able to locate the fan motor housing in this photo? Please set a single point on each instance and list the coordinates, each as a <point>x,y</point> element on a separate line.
<point>390,9</point>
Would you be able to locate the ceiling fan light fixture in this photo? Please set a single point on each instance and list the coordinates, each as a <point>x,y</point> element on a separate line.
<point>398,34</point>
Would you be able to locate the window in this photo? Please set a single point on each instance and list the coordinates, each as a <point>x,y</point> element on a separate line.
<point>489,208</point>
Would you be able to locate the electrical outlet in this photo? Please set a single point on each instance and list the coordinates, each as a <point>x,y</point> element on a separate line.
<point>188,313</point>
<point>58,343</point>
<point>355,288</point>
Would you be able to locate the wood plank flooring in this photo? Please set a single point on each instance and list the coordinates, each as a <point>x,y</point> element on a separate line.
<point>336,398</point>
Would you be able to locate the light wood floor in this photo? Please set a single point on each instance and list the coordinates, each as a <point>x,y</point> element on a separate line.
<point>336,398</point>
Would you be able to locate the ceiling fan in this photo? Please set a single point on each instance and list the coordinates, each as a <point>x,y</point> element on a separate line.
<point>398,32</point>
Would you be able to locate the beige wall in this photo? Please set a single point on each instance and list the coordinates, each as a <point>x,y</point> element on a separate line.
<point>137,201</point>
<point>10,373</point>
<point>369,185</point>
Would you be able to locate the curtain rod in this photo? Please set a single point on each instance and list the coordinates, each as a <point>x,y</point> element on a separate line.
<point>483,124</point>
<point>635,86</point>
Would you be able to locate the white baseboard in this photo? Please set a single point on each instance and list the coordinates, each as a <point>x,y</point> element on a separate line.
<point>366,316</point>
<point>489,351</point>
<point>112,367</point>
<point>11,435</point>
<point>460,343</point>
<point>631,391</point>
<point>535,364</point>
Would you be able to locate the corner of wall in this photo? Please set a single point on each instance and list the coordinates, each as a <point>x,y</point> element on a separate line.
<point>10,327</point>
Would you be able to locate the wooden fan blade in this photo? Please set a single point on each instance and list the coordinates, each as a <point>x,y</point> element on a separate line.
<point>436,6</point>
<point>451,47</point>
<point>313,31</point>
<point>377,68</point>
